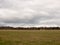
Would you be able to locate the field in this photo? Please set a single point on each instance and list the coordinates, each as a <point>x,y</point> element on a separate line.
<point>30,37</point>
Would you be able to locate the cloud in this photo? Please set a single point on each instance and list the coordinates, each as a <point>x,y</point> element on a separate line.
<point>29,12</point>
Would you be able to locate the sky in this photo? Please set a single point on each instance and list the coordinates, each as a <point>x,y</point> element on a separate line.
<point>29,13</point>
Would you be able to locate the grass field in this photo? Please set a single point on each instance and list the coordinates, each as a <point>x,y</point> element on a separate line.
<point>30,37</point>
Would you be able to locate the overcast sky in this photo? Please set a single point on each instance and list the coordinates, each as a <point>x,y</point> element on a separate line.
<point>29,13</point>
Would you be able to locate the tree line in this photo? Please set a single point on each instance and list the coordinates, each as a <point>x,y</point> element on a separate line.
<point>29,28</point>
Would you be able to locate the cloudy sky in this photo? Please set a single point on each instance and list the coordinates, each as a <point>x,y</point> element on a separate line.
<point>29,13</point>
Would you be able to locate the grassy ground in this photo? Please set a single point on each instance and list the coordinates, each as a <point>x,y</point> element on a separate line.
<point>30,37</point>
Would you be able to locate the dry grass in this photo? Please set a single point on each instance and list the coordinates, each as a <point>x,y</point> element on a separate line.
<point>30,37</point>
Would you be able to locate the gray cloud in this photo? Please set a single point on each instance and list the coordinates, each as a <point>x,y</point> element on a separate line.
<point>29,12</point>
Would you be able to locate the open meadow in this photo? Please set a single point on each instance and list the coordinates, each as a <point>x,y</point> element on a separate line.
<point>29,37</point>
